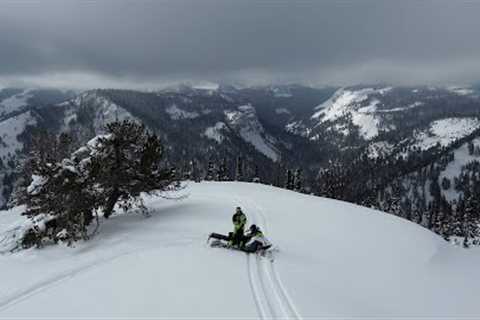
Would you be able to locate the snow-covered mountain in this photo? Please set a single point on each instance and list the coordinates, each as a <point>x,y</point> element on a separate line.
<point>211,117</point>
<point>20,111</point>
<point>334,260</point>
<point>388,120</point>
<point>245,121</point>
<point>270,129</point>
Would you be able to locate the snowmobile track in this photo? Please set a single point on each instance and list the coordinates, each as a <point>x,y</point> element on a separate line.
<point>269,293</point>
<point>257,292</point>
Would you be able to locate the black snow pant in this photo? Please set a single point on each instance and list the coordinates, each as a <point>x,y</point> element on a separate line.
<point>238,238</point>
<point>220,236</point>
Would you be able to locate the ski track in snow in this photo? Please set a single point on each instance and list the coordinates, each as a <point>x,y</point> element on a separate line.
<point>270,295</point>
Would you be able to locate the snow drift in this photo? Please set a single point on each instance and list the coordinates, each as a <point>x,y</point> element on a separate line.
<point>335,260</point>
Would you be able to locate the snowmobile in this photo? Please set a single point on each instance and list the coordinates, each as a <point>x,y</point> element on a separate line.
<point>255,242</point>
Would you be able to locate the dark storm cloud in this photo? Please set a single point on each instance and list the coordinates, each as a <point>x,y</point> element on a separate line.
<point>311,41</point>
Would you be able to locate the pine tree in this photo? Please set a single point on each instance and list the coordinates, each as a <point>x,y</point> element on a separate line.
<point>210,171</point>
<point>126,162</point>
<point>186,173</point>
<point>222,174</point>
<point>60,199</point>
<point>256,175</point>
<point>289,180</point>
<point>194,171</point>
<point>112,169</point>
<point>298,180</point>
<point>471,148</point>
<point>446,183</point>
<point>239,173</point>
<point>470,224</point>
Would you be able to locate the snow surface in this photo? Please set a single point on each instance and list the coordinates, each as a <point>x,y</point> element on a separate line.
<point>257,140</point>
<point>335,260</point>
<point>15,102</point>
<point>215,132</point>
<point>379,149</point>
<point>105,111</point>
<point>461,91</point>
<point>298,128</point>
<point>352,102</point>
<point>367,123</point>
<point>445,132</point>
<point>410,106</point>
<point>206,86</point>
<point>176,113</point>
<point>282,111</point>
<point>246,123</point>
<point>454,168</point>
<point>281,92</point>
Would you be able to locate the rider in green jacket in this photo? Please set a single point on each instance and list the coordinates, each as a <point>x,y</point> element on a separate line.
<point>239,220</point>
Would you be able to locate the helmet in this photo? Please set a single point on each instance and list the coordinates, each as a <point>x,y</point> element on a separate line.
<point>238,209</point>
<point>254,228</point>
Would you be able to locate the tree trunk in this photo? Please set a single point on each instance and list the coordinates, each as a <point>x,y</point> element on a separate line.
<point>112,200</point>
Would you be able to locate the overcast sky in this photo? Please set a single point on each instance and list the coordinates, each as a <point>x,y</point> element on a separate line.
<point>149,43</point>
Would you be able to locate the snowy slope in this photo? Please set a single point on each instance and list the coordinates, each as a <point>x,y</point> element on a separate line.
<point>215,132</point>
<point>105,111</point>
<point>14,102</point>
<point>445,132</point>
<point>358,105</point>
<point>461,90</point>
<point>336,260</point>
<point>176,113</point>
<point>244,120</point>
<point>454,168</point>
<point>9,131</point>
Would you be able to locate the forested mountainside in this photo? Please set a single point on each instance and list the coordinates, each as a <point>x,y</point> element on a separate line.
<point>411,151</point>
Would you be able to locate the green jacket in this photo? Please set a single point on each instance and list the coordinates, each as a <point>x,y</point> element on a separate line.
<point>239,220</point>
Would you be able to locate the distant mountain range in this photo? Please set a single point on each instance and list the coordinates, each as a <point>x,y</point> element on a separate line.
<point>272,128</point>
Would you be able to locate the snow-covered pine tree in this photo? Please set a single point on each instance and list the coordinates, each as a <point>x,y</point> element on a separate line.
<point>298,180</point>
<point>222,174</point>
<point>210,171</point>
<point>60,198</point>
<point>125,162</point>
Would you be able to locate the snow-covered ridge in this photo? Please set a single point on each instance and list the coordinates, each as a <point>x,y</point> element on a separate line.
<point>281,92</point>
<point>298,128</point>
<point>282,111</point>
<point>461,91</point>
<point>244,120</point>
<point>206,86</point>
<point>10,129</point>
<point>445,132</point>
<point>215,132</point>
<point>15,102</point>
<point>105,110</point>
<point>453,169</point>
<point>356,104</point>
<point>379,149</point>
<point>176,113</point>
<point>335,260</point>
<point>410,106</point>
